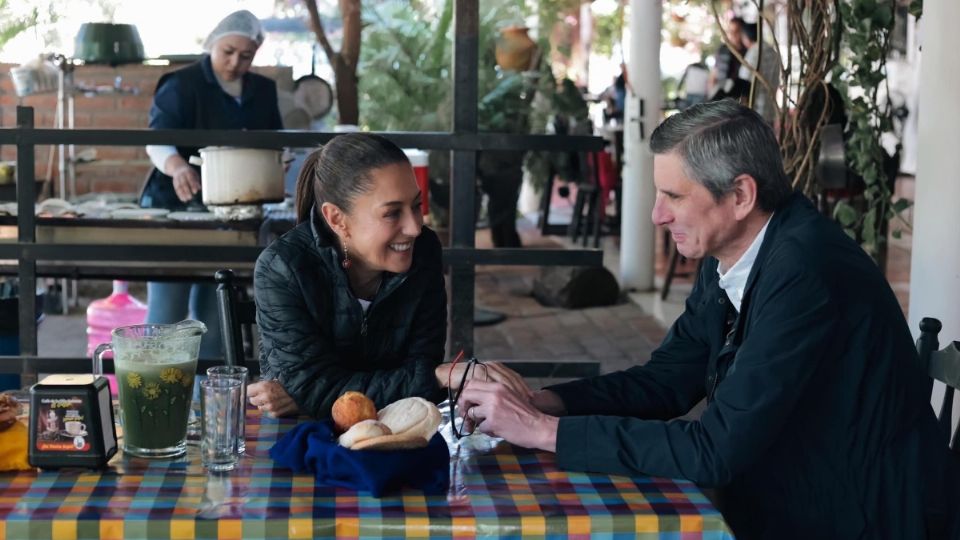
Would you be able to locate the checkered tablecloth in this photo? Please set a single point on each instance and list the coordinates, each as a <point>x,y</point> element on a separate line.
<point>504,492</point>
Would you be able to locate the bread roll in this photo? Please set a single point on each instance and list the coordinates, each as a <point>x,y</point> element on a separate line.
<point>392,442</point>
<point>352,408</point>
<point>411,416</point>
<point>361,431</point>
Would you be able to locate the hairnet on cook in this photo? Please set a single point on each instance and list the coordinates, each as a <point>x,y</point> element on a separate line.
<point>239,23</point>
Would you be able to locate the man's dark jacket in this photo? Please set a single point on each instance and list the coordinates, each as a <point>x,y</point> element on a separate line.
<point>818,422</point>
<point>315,338</point>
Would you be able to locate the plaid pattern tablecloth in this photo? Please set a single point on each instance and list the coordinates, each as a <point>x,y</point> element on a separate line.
<point>506,492</point>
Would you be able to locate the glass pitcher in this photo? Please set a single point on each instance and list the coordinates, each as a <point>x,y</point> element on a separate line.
<point>155,366</point>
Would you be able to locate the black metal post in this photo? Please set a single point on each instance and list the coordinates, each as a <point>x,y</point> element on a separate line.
<point>26,233</point>
<point>463,173</point>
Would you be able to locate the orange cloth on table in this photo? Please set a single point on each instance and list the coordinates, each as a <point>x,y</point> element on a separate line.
<point>13,448</point>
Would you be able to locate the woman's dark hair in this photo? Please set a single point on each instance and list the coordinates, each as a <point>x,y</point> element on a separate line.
<point>339,171</point>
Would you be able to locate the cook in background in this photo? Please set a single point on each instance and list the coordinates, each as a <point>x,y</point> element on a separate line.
<point>217,92</point>
<point>353,298</point>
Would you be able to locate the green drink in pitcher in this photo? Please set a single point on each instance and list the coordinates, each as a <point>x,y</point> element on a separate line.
<point>155,366</point>
<point>154,403</point>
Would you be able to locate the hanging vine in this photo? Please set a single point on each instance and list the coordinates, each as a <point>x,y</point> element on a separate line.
<point>813,34</point>
<point>845,42</point>
<point>860,75</point>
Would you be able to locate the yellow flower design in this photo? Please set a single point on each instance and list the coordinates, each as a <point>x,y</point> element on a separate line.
<point>134,380</point>
<point>151,390</point>
<point>186,380</point>
<point>171,375</point>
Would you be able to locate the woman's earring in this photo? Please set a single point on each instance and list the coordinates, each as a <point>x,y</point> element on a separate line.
<point>346,263</point>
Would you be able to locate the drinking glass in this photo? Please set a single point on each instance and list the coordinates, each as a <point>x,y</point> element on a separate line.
<point>239,374</point>
<point>219,405</point>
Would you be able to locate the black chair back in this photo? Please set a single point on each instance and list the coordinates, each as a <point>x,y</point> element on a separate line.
<point>235,315</point>
<point>943,365</point>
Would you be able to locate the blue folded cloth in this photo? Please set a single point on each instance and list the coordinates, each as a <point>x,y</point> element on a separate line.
<point>312,447</point>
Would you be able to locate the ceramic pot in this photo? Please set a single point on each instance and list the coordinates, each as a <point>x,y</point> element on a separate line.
<point>240,175</point>
<point>515,49</point>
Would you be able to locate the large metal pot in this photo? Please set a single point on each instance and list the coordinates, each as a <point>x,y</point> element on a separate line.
<point>108,43</point>
<point>240,175</point>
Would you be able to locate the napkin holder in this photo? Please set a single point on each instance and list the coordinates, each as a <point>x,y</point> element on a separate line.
<point>71,422</point>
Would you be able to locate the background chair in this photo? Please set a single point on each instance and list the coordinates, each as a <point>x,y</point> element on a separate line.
<point>237,317</point>
<point>943,365</point>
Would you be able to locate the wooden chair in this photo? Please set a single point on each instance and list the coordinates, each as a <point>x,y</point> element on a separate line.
<point>237,317</point>
<point>587,211</point>
<point>943,365</point>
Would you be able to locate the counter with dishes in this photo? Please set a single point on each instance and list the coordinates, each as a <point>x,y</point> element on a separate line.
<point>124,224</point>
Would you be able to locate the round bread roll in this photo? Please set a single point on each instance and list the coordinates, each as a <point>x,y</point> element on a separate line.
<point>411,416</point>
<point>361,431</point>
<point>351,408</point>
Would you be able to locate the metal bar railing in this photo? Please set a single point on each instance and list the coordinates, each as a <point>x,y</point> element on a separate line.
<point>464,143</point>
<point>295,139</point>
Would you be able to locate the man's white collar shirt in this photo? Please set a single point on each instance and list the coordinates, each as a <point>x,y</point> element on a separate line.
<point>734,280</point>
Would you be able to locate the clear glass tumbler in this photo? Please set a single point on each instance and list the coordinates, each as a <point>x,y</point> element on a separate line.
<point>240,374</point>
<point>219,405</point>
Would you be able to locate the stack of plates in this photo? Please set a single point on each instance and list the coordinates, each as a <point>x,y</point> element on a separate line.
<point>139,213</point>
<point>192,216</point>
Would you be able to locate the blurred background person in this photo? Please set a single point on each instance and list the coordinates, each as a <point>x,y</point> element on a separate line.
<point>217,92</point>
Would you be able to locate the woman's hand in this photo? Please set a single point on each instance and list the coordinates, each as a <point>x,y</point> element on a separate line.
<point>271,398</point>
<point>487,371</point>
<point>547,401</point>
<point>186,182</point>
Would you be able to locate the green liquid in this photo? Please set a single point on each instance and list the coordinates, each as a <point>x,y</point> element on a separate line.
<point>155,397</point>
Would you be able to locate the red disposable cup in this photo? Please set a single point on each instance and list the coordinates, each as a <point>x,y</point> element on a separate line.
<point>419,160</point>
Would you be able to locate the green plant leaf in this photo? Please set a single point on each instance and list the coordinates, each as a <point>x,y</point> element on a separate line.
<point>845,214</point>
<point>900,205</point>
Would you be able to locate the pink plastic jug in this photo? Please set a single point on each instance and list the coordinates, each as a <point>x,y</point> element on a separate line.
<point>105,314</point>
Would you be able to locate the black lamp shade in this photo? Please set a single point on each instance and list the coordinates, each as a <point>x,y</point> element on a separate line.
<point>107,43</point>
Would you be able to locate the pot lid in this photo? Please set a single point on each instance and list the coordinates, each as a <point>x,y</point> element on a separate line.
<point>314,95</point>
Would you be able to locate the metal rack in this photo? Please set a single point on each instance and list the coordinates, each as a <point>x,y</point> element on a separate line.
<point>461,257</point>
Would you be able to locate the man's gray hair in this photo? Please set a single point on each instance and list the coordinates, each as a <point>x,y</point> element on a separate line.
<point>720,140</point>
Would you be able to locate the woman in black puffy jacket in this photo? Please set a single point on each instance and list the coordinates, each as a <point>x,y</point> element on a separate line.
<point>353,298</point>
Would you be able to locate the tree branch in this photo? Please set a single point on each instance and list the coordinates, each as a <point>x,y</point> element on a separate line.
<point>317,26</point>
<point>352,26</point>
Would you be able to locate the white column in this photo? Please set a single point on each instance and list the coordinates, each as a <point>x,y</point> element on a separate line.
<point>643,68</point>
<point>935,258</point>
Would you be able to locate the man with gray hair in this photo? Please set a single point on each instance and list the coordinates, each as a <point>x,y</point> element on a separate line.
<point>818,422</point>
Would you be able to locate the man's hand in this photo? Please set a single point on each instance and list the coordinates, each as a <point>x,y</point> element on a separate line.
<point>271,398</point>
<point>497,410</point>
<point>487,372</point>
